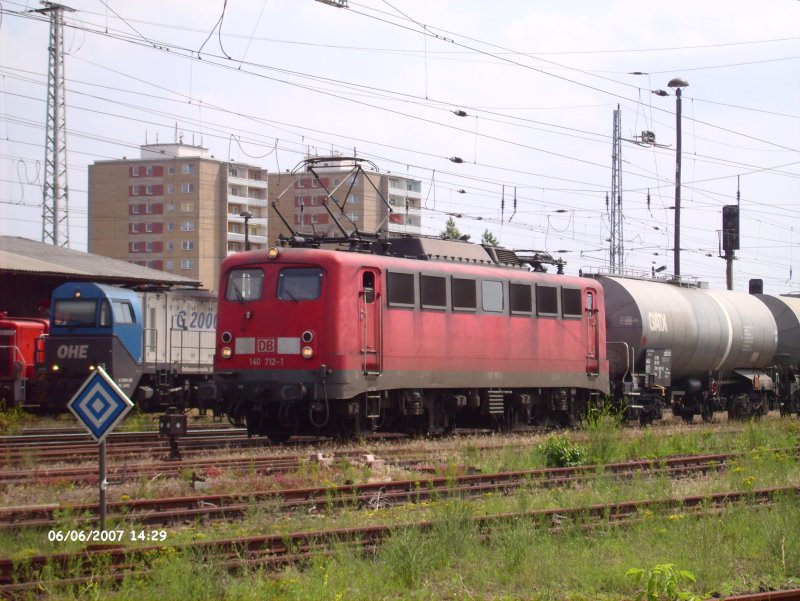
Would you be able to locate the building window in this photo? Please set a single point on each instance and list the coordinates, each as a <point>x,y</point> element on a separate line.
<point>170,246</point>
<point>171,170</point>
<point>170,227</point>
<point>170,264</point>
<point>149,170</point>
<point>134,209</point>
<point>170,188</point>
<point>187,207</point>
<point>187,263</point>
<point>135,171</point>
<point>187,245</point>
<point>148,208</point>
<point>170,207</point>
<point>134,228</point>
<point>187,226</point>
<point>187,168</point>
<point>187,188</point>
<point>148,247</point>
<point>134,190</point>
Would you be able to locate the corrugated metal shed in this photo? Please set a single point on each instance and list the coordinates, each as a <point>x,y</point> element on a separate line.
<point>31,270</point>
<point>24,256</point>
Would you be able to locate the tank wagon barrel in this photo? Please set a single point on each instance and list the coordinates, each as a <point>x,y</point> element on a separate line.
<point>701,349</point>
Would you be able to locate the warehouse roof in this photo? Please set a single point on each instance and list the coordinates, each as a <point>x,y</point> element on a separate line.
<point>24,256</point>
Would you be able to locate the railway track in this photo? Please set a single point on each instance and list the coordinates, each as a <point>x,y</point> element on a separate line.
<point>175,510</point>
<point>120,561</point>
<point>63,447</point>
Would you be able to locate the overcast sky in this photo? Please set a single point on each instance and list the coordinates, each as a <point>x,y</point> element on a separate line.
<point>267,81</point>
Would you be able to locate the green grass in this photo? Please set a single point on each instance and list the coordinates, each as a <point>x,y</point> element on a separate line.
<point>740,549</point>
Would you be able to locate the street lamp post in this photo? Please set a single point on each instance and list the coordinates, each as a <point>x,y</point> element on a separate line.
<point>247,215</point>
<point>678,83</point>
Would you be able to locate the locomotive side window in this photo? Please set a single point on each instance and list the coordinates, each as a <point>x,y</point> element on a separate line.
<point>433,292</point>
<point>123,312</point>
<point>244,285</point>
<point>520,299</point>
<point>571,302</point>
<point>78,313</point>
<point>464,294</point>
<point>105,314</point>
<point>401,291</point>
<point>492,292</point>
<point>546,300</point>
<point>300,283</point>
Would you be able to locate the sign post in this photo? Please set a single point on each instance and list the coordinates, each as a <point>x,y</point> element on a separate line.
<point>100,405</point>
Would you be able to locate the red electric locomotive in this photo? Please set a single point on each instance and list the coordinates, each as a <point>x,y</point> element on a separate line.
<point>404,335</point>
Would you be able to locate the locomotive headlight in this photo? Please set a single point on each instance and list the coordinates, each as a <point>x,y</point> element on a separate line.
<point>55,367</point>
<point>308,336</point>
<point>226,352</point>
<point>273,253</point>
<point>308,352</point>
<point>226,337</point>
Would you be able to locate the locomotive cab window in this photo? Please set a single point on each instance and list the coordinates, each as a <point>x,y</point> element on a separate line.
<point>520,299</point>
<point>244,285</point>
<point>300,283</point>
<point>492,293</point>
<point>105,314</point>
<point>123,312</point>
<point>464,295</point>
<point>400,289</point>
<point>75,313</point>
<point>433,292</point>
<point>546,301</point>
<point>571,302</point>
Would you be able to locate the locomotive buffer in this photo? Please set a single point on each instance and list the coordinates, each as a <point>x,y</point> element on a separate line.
<point>100,405</point>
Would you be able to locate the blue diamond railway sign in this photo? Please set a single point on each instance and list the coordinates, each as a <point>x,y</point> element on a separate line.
<point>100,404</point>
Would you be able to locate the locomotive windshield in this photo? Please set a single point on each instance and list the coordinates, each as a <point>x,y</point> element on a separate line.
<point>244,285</point>
<point>300,283</point>
<point>80,313</point>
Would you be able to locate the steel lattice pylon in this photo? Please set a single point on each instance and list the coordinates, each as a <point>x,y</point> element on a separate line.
<point>616,255</point>
<point>55,201</point>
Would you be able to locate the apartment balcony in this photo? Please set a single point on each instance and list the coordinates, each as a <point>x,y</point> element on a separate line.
<point>254,238</point>
<point>234,180</point>
<point>247,200</point>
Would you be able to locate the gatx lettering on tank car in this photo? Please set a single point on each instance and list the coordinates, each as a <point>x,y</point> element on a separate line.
<point>320,341</point>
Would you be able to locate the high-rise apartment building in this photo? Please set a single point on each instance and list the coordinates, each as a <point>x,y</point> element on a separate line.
<point>366,197</point>
<point>177,209</point>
